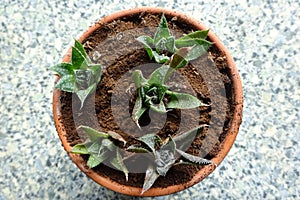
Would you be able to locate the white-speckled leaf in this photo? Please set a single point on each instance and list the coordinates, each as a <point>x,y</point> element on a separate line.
<point>159,107</point>
<point>148,42</point>
<point>183,140</point>
<point>158,76</point>
<point>164,161</point>
<point>183,101</point>
<point>93,134</point>
<point>137,149</point>
<point>165,157</point>
<point>198,50</point>
<point>80,149</point>
<point>63,69</point>
<point>150,178</point>
<point>195,159</point>
<point>162,30</point>
<point>138,78</point>
<point>95,148</point>
<point>78,60</point>
<point>150,140</point>
<point>66,83</point>
<point>83,94</point>
<point>138,109</point>
<point>166,44</point>
<point>97,72</point>
<point>95,159</point>
<point>118,163</point>
<point>178,60</point>
<point>160,58</point>
<point>81,49</point>
<point>116,136</point>
<point>202,34</point>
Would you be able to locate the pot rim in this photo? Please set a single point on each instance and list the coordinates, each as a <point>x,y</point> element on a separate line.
<point>226,144</point>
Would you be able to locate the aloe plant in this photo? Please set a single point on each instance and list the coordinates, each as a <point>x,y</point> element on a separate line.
<point>101,147</point>
<point>80,76</point>
<point>154,94</point>
<point>164,43</point>
<point>165,154</point>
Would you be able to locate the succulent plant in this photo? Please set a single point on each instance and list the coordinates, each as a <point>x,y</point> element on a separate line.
<point>165,154</point>
<point>101,147</point>
<point>153,93</point>
<point>80,76</point>
<point>164,42</point>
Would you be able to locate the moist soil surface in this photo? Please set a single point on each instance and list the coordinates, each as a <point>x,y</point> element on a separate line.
<point>115,47</point>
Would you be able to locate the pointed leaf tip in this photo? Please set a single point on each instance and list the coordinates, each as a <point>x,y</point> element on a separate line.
<point>81,49</point>
<point>195,159</point>
<point>93,134</point>
<point>150,178</point>
<point>183,101</point>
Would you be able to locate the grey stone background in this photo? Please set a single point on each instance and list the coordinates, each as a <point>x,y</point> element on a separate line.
<point>264,39</point>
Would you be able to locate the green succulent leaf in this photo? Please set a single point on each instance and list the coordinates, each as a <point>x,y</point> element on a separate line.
<point>80,149</point>
<point>94,148</point>
<point>138,109</point>
<point>165,44</point>
<point>150,178</point>
<point>191,42</point>
<point>162,30</point>
<point>96,71</point>
<point>93,134</point>
<point>83,78</point>
<point>170,44</point>
<point>178,60</point>
<point>161,90</point>
<point>137,149</point>
<point>150,140</point>
<point>197,51</point>
<point>196,41</point>
<point>83,94</point>
<point>159,107</point>
<point>165,157</point>
<point>164,161</point>
<point>160,58</point>
<point>63,69</point>
<point>116,136</point>
<point>185,139</point>
<point>158,76</point>
<point>95,159</point>
<point>181,162</point>
<point>148,42</point>
<point>154,96</point>
<point>169,144</point>
<point>87,80</point>
<point>202,34</point>
<point>194,159</point>
<point>81,50</point>
<point>108,144</point>
<point>78,60</point>
<point>118,163</point>
<point>138,78</point>
<point>183,101</point>
<point>66,83</point>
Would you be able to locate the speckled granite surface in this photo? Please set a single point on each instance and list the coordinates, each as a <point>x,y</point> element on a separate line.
<point>263,37</point>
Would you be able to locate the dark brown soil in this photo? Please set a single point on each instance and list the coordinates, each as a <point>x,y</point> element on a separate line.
<point>109,109</point>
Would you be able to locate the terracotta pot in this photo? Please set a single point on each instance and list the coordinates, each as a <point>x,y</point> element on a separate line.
<point>225,146</point>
